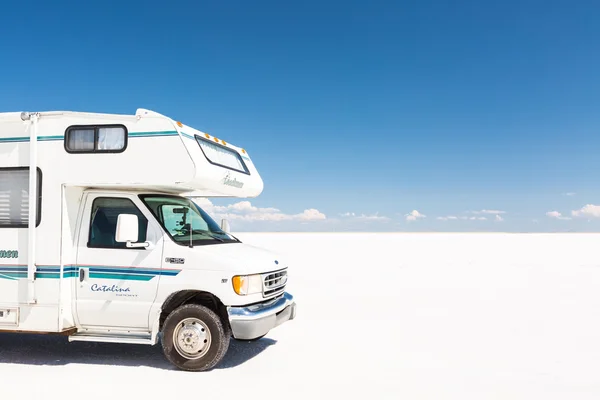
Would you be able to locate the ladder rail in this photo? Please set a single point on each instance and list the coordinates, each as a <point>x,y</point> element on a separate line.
<point>33,119</point>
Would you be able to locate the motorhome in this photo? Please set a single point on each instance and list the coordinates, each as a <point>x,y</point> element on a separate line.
<point>102,238</point>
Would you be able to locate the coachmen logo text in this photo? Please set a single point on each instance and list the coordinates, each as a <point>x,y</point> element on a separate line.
<point>232,182</point>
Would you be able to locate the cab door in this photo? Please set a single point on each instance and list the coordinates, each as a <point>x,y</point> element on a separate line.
<point>116,285</point>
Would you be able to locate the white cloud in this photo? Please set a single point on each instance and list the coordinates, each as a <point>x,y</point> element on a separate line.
<point>414,215</point>
<point>364,217</point>
<point>312,214</point>
<point>247,207</point>
<point>588,210</point>
<point>455,218</point>
<point>245,211</point>
<point>374,217</point>
<point>488,212</point>
<point>569,194</point>
<point>499,218</point>
<point>556,215</point>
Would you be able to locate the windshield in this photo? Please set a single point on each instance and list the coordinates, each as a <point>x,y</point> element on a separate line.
<point>185,221</point>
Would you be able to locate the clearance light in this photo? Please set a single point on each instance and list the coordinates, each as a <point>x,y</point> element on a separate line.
<point>243,151</point>
<point>247,284</point>
<point>222,141</point>
<point>179,124</point>
<point>207,135</point>
<point>216,140</point>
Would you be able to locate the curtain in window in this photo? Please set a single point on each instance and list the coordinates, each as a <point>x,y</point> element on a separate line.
<point>81,140</point>
<point>111,139</point>
<point>14,197</point>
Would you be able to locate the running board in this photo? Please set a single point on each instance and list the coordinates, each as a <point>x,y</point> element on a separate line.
<point>137,338</point>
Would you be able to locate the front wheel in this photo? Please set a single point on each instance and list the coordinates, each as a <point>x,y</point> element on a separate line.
<point>194,338</point>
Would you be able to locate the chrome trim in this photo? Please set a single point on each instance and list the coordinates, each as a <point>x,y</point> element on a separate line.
<point>260,310</point>
<point>255,321</point>
<point>280,276</point>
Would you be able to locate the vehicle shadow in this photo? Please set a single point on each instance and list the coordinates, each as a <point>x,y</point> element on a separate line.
<point>52,350</point>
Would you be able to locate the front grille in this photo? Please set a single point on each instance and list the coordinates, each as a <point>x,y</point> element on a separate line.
<point>274,283</point>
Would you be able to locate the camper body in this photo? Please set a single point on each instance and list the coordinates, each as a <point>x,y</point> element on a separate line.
<point>101,239</point>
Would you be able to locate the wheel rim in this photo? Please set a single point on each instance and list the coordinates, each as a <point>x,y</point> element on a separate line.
<point>192,338</point>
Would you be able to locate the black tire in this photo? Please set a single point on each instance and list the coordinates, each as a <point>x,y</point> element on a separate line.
<point>219,338</point>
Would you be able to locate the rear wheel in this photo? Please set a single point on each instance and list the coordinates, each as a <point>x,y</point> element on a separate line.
<point>194,339</point>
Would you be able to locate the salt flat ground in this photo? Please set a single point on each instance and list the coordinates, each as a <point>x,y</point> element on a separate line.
<point>402,316</point>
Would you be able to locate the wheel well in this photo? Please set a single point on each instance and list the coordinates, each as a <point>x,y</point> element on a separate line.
<point>184,297</point>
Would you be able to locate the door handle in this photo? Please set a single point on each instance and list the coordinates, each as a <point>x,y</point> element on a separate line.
<point>81,274</point>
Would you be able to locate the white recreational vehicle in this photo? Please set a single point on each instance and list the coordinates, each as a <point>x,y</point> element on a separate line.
<point>100,238</point>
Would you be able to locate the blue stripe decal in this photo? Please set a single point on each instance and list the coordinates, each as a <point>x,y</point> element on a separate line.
<point>61,137</point>
<point>152,134</point>
<point>187,136</point>
<point>100,272</point>
<point>133,271</point>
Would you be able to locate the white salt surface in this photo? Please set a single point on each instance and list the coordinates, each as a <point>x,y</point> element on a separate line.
<point>398,316</point>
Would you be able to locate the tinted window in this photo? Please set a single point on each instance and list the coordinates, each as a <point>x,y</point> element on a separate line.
<point>103,226</point>
<point>14,197</point>
<point>96,139</point>
<point>222,156</point>
<point>184,221</point>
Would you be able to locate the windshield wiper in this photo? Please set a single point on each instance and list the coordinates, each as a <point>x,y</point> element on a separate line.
<point>238,240</point>
<point>207,233</point>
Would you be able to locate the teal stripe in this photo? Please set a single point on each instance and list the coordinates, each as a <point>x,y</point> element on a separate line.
<point>47,138</point>
<point>47,275</point>
<point>115,273</point>
<point>187,136</point>
<point>123,277</point>
<point>152,134</point>
<point>38,275</point>
<point>13,275</point>
<point>61,137</point>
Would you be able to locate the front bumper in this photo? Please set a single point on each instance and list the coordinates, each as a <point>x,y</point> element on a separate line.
<point>254,321</point>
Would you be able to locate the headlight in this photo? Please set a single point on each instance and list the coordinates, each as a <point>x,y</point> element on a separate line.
<point>247,284</point>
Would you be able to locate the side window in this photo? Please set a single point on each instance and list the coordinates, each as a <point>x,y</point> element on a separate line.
<point>96,139</point>
<point>14,197</point>
<point>103,225</point>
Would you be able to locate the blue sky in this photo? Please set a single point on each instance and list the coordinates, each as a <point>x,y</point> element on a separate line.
<point>362,112</point>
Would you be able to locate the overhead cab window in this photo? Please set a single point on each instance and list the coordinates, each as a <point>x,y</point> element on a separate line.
<point>222,156</point>
<point>96,139</point>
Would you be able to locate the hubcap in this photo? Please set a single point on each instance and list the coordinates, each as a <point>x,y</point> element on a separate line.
<point>192,338</point>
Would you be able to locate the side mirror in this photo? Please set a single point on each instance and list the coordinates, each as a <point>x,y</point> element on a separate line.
<point>127,230</point>
<point>225,226</point>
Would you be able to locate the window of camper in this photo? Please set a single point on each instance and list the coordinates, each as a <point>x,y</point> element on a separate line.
<point>103,225</point>
<point>14,197</point>
<point>220,155</point>
<point>184,221</point>
<point>96,139</point>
